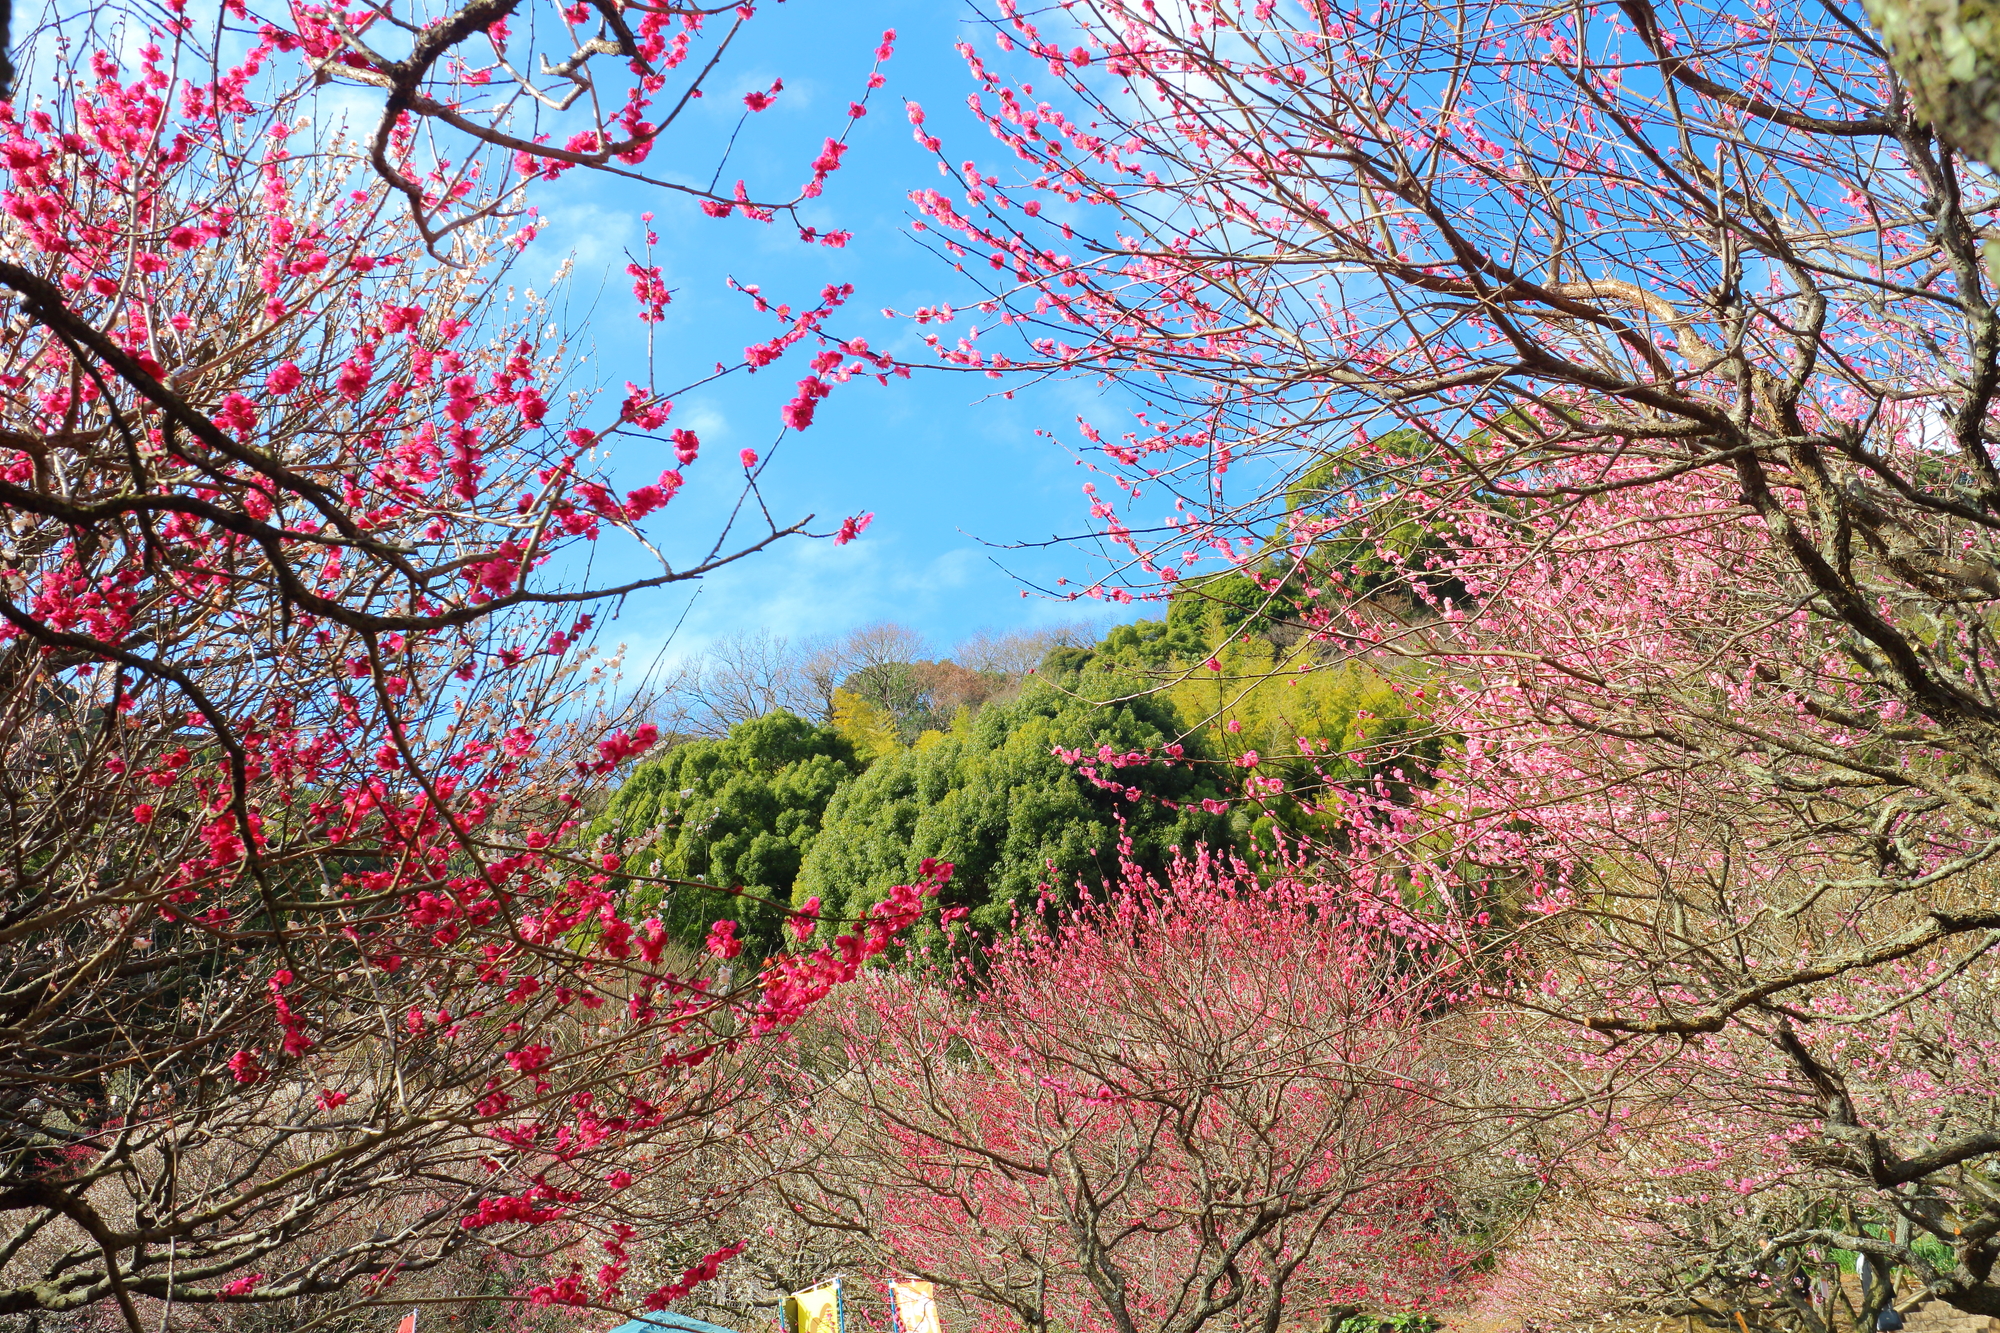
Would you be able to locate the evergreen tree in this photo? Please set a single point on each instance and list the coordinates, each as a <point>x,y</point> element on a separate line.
<point>992,797</point>
<point>739,813</point>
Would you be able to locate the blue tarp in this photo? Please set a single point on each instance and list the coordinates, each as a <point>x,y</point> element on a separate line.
<point>666,1321</point>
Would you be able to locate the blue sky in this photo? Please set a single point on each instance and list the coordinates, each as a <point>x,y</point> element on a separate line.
<point>944,462</point>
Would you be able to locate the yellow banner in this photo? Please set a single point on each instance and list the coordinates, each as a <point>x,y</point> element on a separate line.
<point>915,1304</point>
<point>818,1308</point>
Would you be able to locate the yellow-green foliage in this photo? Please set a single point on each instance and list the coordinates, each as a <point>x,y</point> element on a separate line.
<point>1343,709</point>
<point>869,729</point>
<point>1338,723</point>
<point>1358,723</point>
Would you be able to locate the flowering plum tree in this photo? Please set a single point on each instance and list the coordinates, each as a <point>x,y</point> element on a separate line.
<point>296,927</point>
<point>1243,1121</point>
<point>1720,1179</point>
<point>1674,324</point>
<point>1383,220</point>
<point>1948,59</point>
